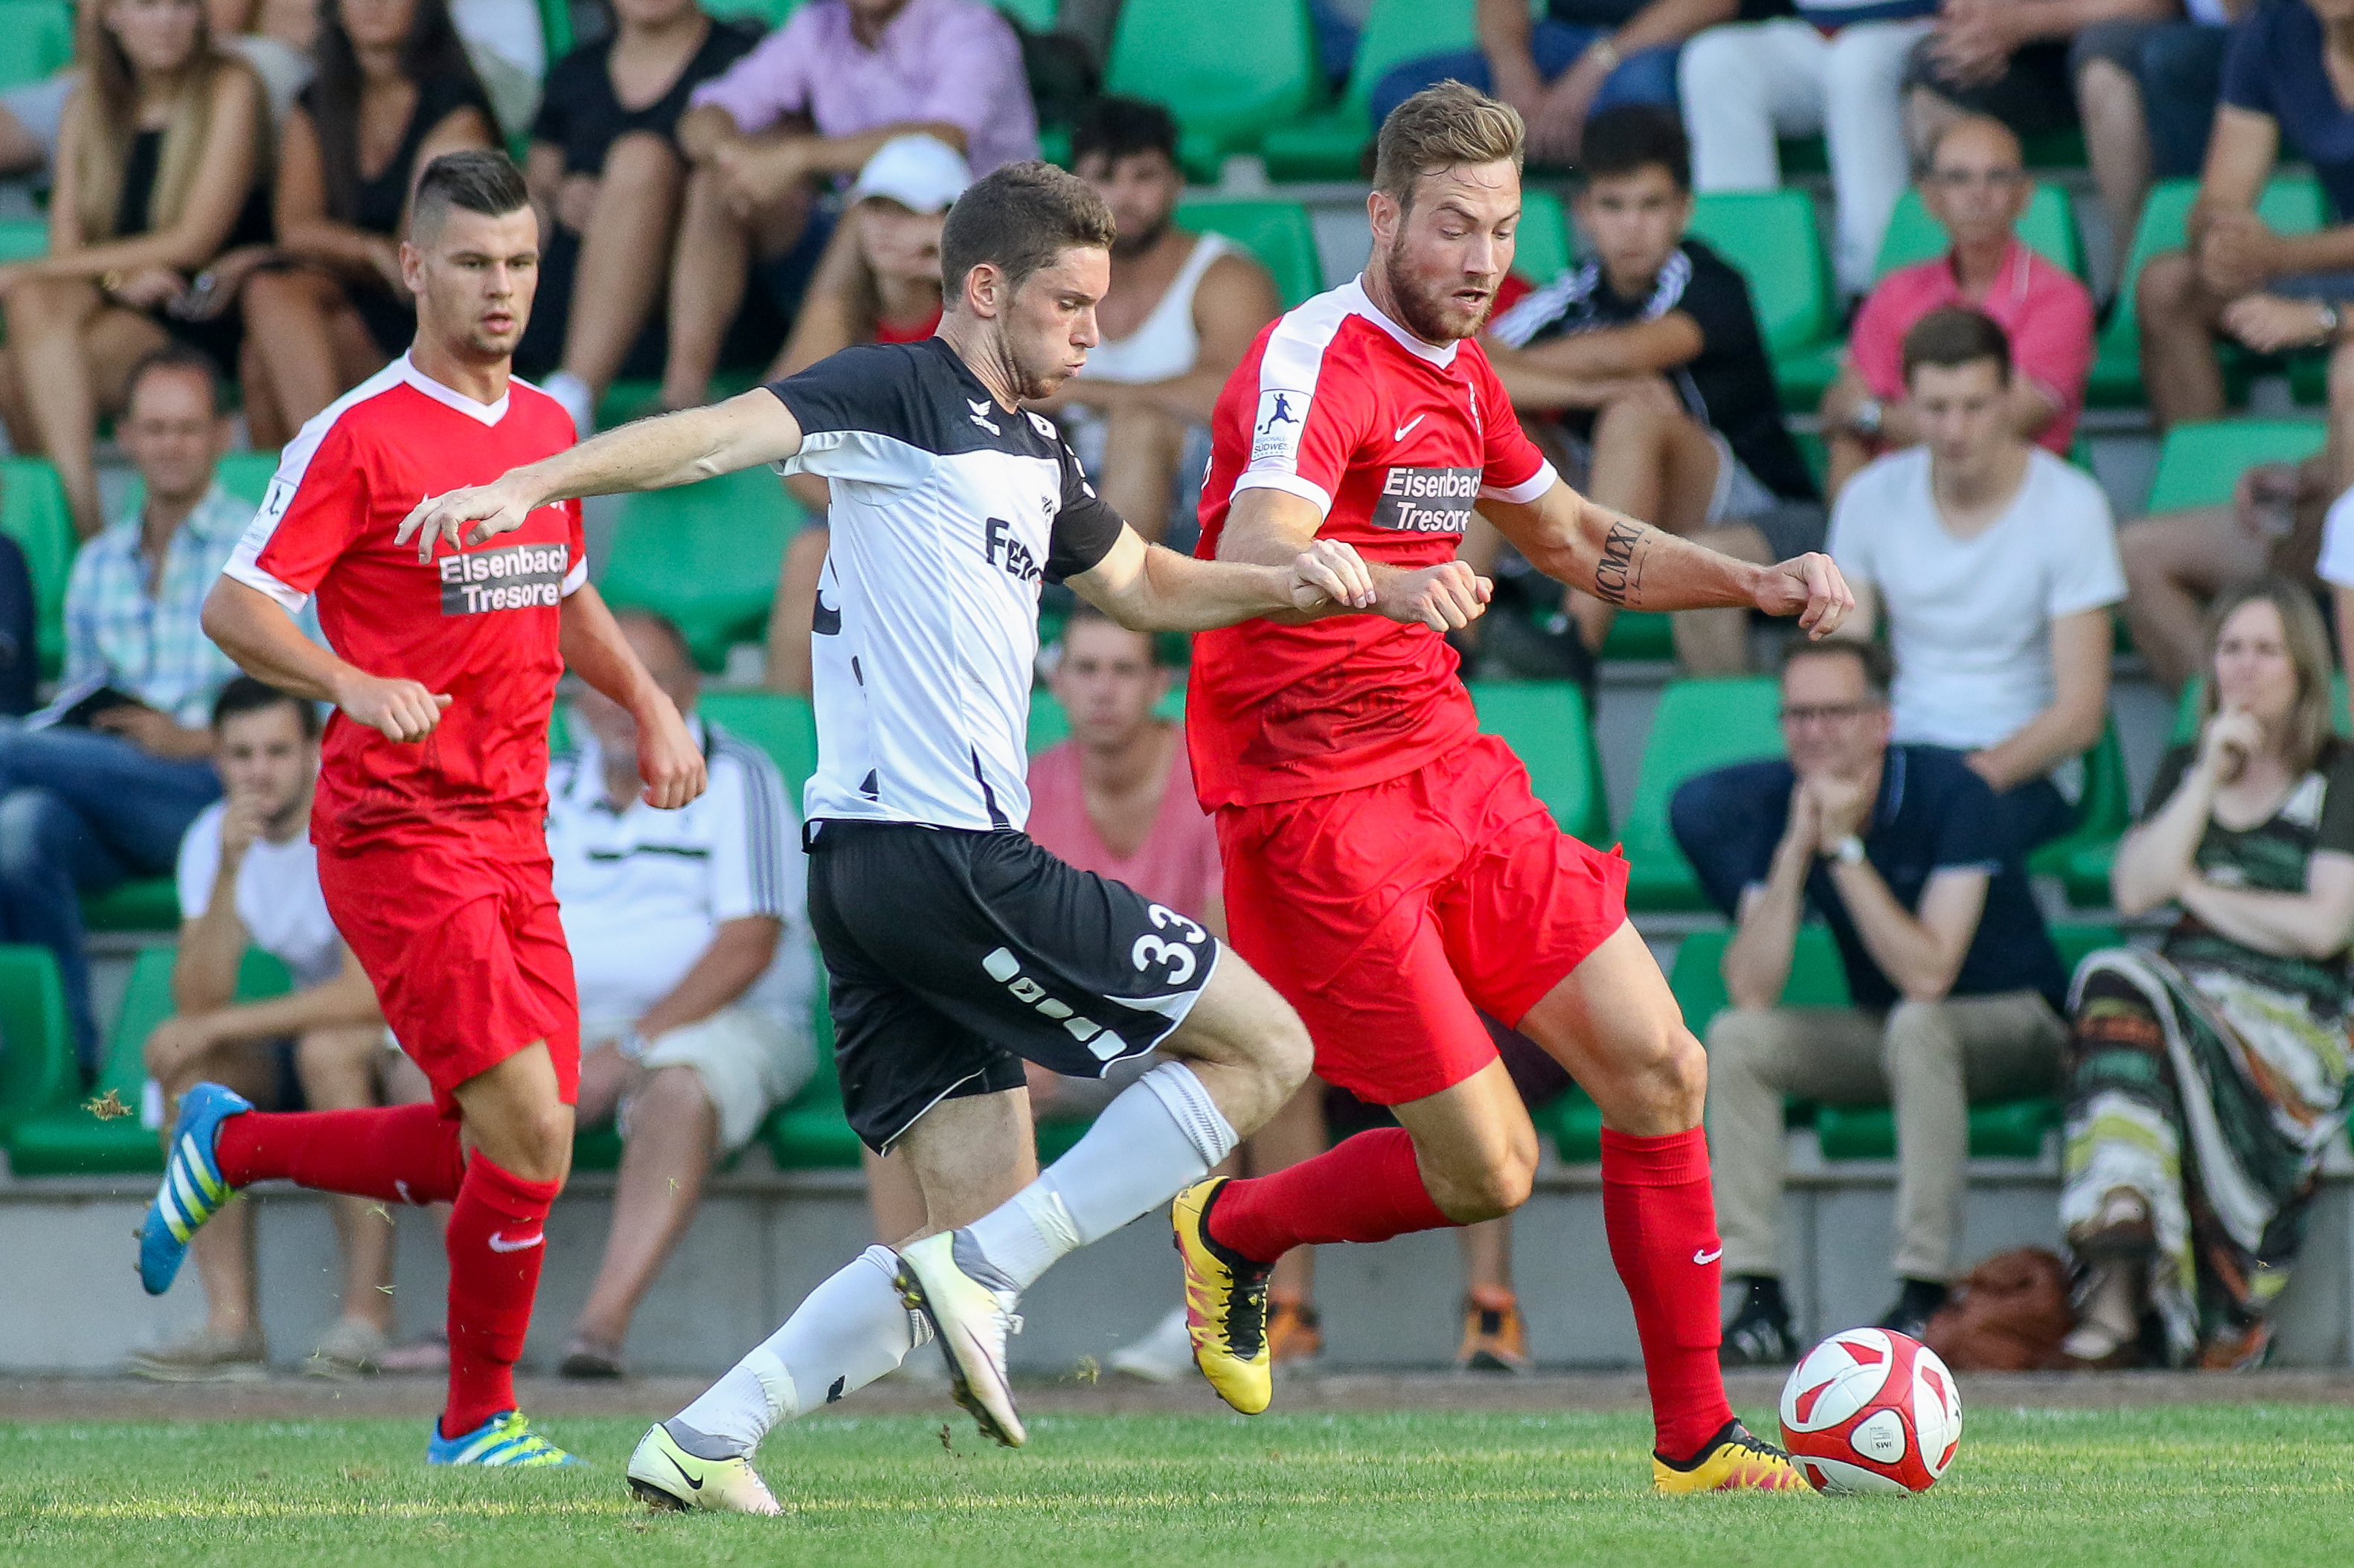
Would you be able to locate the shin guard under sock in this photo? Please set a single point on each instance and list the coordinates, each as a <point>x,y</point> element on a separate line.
<point>396,1154</point>
<point>1365,1189</point>
<point>1661,1218</point>
<point>496,1240</point>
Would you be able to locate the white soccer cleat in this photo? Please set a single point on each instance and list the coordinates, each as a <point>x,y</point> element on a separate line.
<point>665,1475</point>
<point>1164,1355</point>
<point>970,1303</point>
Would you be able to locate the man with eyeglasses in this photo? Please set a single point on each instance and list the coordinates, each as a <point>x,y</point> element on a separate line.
<point>1976,184</point>
<point>1956,989</point>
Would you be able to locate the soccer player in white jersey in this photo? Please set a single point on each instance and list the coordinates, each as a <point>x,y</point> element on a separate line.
<point>954,944</point>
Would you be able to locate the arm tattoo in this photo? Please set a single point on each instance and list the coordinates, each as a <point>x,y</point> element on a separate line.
<point>1618,574</point>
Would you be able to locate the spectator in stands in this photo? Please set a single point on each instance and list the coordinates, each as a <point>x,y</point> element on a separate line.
<point>1653,347</point>
<point>1182,312</point>
<point>1995,564</point>
<point>248,877</point>
<point>1956,987</point>
<point>2177,562</point>
<point>394,93</point>
<point>1569,63</point>
<point>2004,60</point>
<point>2146,90</point>
<point>818,98</point>
<point>1833,69</point>
<point>160,176</point>
<point>275,37</point>
<point>106,792</point>
<point>879,282</point>
<point>1976,184</point>
<point>2237,278</point>
<point>607,173</point>
<point>2206,1080</point>
<point>690,942</point>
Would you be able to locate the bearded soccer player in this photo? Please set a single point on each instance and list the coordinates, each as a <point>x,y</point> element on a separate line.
<point>1387,864</point>
<point>432,792</point>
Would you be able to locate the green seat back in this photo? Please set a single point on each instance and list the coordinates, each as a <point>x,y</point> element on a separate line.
<point>1227,69</point>
<point>1541,251</point>
<point>33,512</point>
<point>1049,726</point>
<point>1545,723</point>
<point>2103,810</point>
<point>2048,226</point>
<point>555,27</point>
<point>1699,725</point>
<point>809,1133</point>
<point>35,40</point>
<point>246,474</point>
<point>1331,144</point>
<point>36,1047</point>
<point>24,239</point>
<point>705,555</point>
<point>772,14</point>
<point>1771,236</point>
<point>1038,16</point>
<point>1697,976</point>
<point>778,723</point>
<point>2200,464</point>
<point>146,904</point>
<point>1279,233</point>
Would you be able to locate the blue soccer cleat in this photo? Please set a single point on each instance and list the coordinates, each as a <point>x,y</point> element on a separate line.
<point>506,1438</point>
<point>193,1190</point>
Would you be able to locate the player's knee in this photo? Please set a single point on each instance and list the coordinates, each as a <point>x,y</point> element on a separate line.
<point>1667,1089</point>
<point>1493,1188</point>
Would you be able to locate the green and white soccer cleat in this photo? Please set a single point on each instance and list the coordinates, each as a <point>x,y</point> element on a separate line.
<point>969,1304</point>
<point>666,1474</point>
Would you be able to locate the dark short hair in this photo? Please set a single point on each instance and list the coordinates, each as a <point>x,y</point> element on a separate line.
<point>1167,648</point>
<point>1018,218</point>
<point>176,357</point>
<point>471,181</point>
<point>1956,336</point>
<point>1878,664</point>
<point>1635,136</point>
<point>244,695</point>
<point>1116,128</point>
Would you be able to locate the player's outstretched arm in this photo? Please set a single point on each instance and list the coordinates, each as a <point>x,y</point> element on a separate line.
<point>1267,526</point>
<point>594,650</point>
<point>255,630</point>
<point>1146,587</point>
<point>1637,567</point>
<point>650,454</point>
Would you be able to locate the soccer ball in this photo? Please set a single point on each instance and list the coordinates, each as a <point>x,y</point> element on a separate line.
<point>1871,1411</point>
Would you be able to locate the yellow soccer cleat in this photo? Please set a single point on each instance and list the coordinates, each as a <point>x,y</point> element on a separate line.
<point>665,1474</point>
<point>1225,1304</point>
<point>1735,1460</point>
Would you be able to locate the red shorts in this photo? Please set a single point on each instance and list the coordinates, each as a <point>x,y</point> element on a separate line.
<point>467,955</point>
<point>1392,916</point>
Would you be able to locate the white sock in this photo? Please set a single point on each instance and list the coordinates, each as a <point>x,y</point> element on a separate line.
<point>577,400</point>
<point>846,1333</point>
<point>1162,1134</point>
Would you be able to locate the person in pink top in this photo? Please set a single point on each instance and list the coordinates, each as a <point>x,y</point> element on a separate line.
<point>1976,185</point>
<point>819,97</point>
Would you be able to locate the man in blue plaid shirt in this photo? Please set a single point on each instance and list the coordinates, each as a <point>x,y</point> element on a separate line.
<point>87,805</point>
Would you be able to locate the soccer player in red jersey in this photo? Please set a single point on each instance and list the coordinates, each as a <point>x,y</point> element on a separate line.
<point>432,792</point>
<point>1387,867</point>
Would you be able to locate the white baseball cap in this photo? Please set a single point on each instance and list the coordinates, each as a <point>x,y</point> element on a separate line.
<point>921,173</point>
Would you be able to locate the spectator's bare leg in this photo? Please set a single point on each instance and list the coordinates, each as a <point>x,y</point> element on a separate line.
<point>2116,144</point>
<point>673,1135</point>
<point>2175,563</point>
<point>1716,641</point>
<point>1295,1133</point>
<point>623,258</point>
<point>1926,115</point>
<point>1487,1255</point>
<point>338,1070</point>
<point>1142,448</point>
<point>1845,454</point>
<point>710,269</point>
<point>2339,456</point>
<point>1653,464</point>
<point>72,350</point>
<point>2177,315</point>
<point>310,345</point>
<point>793,609</point>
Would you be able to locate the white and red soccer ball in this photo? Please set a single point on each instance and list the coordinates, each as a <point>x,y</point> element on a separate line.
<point>1871,1411</point>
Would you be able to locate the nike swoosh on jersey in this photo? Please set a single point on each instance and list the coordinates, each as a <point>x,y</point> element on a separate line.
<point>1708,1258</point>
<point>500,1243</point>
<point>1400,433</point>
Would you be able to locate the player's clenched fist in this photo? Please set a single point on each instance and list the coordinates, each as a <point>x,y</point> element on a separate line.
<point>400,710</point>
<point>1444,598</point>
<point>668,759</point>
<point>1810,587</point>
<point>1331,572</point>
<point>494,508</point>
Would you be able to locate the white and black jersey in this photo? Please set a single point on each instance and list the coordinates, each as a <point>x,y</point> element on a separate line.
<point>949,515</point>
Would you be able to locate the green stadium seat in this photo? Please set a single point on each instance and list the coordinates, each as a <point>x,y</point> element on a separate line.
<point>1330,145</point>
<point>2290,204</point>
<point>1228,70</point>
<point>149,903</point>
<point>2104,812</point>
<point>1771,238</point>
<point>37,1065</point>
<point>771,14</point>
<point>555,27</point>
<point>2200,464</point>
<point>246,474</point>
<point>1050,726</point>
<point>1544,721</point>
<point>778,723</point>
<point>35,40</point>
<point>705,555</point>
<point>24,239</point>
<point>70,1140</point>
<point>2049,226</point>
<point>1541,250</point>
<point>1279,233</point>
<point>1574,1123</point>
<point>809,1133</point>
<point>1038,16</point>
<point>1639,634</point>
<point>1699,725</point>
<point>33,512</point>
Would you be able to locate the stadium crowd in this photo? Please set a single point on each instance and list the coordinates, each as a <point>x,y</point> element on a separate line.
<point>226,185</point>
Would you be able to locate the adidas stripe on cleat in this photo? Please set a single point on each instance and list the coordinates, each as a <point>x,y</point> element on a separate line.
<point>1733,1461</point>
<point>505,1439</point>
<point>969,1304</point>
<point>667,1474</point>
<point>1225,1304</point>
<point>193,1190</point>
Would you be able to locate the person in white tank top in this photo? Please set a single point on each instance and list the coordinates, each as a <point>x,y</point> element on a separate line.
<point>1183,311</point>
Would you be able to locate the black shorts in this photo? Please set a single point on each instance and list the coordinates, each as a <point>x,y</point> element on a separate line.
<point>952,955</point>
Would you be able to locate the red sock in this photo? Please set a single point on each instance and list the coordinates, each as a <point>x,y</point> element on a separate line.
<point>1661,1217</point>
<point>399,1154</point>
<point>495,1246</point>
<point>1365,1189</point>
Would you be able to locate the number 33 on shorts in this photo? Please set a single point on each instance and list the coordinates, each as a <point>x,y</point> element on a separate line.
<point>1151,950</point>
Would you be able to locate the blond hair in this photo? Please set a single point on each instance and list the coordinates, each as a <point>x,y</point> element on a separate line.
<point>2308,643</point>
<point>100,135</point>
<point>1440,128</point>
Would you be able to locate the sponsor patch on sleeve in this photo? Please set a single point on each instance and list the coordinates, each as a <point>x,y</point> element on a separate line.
<point>1282,419</point>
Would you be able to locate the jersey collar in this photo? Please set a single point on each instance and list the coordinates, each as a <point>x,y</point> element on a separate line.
<point>1363,304</point>
<point>451,397</point>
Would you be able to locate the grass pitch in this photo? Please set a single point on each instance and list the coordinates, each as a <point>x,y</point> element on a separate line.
<point>2150,1487</point>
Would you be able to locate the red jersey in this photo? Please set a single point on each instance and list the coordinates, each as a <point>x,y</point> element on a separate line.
<point>481,624</point>
<point>1393,442</point>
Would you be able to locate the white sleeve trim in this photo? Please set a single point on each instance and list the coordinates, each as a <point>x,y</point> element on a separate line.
<point>1528,489</point>
<point>577,578</point>
<point>1307,489</point>
<point>290,600</point>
